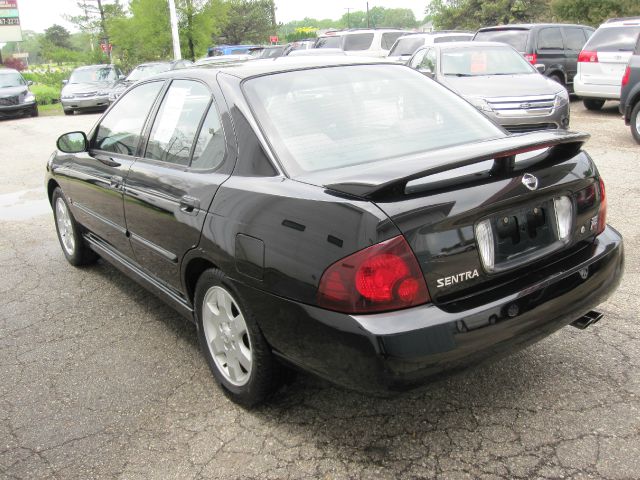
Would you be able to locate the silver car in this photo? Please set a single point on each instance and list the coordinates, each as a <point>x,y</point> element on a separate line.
<point>498,81</point>
<point>88,88</point>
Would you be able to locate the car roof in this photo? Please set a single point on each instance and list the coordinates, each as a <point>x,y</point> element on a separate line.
<point>8,70</point>
<point>268,66</point>
<point>448,33</point>
<point>98,65</point>
<point>529,26</point>
<point>621,22</point>
<point>470,44</point>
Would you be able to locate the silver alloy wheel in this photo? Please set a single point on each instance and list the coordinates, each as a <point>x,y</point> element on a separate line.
<point>227,337</point>
<point>65,226</point>
<point>638,123</point>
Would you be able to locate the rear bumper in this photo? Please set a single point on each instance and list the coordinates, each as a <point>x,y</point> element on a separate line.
<point>398,350</point>
<point>592,90</point>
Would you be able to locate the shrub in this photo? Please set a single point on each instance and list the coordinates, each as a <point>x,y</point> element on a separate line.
<point>53,78</point>
<point>45,94</point>
<point>14,63</point>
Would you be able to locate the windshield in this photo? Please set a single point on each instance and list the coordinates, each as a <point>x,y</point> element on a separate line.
<point>144,71</point>
<point>334,117</point>
<point>93,75</point>
<point>516,38</point>
<point>329,42</point>
<point>476,61</point>
<point>11,79</point>
<point>406,46</point>
<point>614,39</point>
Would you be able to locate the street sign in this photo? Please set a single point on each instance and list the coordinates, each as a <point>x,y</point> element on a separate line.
<point>106,47</point>
<point>273,39</point>
<point>10,30</point>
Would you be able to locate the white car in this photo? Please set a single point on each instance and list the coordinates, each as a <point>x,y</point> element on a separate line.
<point>407,45</point>
<point>365,42</point>
<point>603,59</point>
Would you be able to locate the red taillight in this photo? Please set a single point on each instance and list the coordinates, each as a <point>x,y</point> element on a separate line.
<point>625,77</point>
<point>588,56</point>
<point>602,213</point>
<point>382,277</point>
<point>531,57</point>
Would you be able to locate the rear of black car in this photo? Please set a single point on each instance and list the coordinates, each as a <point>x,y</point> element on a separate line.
<point>499,240</point>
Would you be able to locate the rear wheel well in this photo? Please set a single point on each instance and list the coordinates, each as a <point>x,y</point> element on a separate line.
<point>194,269</point>
<point>51,186</point>
<point>558,73</point>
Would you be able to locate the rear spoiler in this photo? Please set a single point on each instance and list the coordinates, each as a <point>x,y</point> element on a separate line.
<point>371,180</point>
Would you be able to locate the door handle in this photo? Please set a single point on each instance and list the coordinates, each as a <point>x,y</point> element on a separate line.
<point>108,161</point>
<point>116,182</point>
<point>189,204</point>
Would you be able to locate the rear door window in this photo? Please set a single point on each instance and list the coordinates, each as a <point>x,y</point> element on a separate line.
<point>406,46</point>
<point>516,38</point>
<point>389,38</point>
<point>209,149</point>
<point>329,42</point>
<point>357,41</point>
<point>614,39</point>
<point>176,124</point>
<point>575,38</point>
<point>550,39</point>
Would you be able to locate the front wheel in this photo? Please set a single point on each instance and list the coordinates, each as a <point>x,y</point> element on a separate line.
<point>34,111</point>
<point>75,249</point>
<point>68,112</point>
<point>593,103</point>
<point>635,122</point>
<point>232,343</point>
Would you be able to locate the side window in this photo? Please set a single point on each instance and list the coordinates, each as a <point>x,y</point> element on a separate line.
<point>209,150</point>
<point>429,61</point>
<point>389,38</point>
<point>175,126</point>
<point>587,33</point>
<point>575,38</point>
<point>550,39</point>
<point>119,131</point>
<point>417,59</point>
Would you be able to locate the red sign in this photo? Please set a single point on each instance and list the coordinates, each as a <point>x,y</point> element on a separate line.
<point>9,4</point>
<point>273,39</point>
<point>106,47</point>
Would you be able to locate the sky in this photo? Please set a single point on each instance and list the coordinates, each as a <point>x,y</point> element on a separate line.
<point>38,15</point>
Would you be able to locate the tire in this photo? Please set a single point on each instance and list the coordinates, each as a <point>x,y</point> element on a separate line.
<point>68,112</point>
<point>557,78</point>
<point>634,122</point>
<point>593,103</point>
<point>232,343</point>
<point>34,112</point>
<point>75,249</point>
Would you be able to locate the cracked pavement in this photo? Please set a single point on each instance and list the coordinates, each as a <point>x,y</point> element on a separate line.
<point>101,380</point>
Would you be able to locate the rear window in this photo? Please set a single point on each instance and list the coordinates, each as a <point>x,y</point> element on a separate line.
<point>613,39</point>
<point>334,117</point>
<point>516,38</point>
<point>575,38</point>
<point>406,46</point>
<point>452,38</point>
<point>389,38</point>
<point>477,61</point>
<point>357,41</point>
<point>329,42</point>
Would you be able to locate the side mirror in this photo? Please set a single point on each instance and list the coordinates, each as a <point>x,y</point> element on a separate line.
<point>541,67</point>
<point>29,83</point>
<point>72,142</point>
<point>64,82</point>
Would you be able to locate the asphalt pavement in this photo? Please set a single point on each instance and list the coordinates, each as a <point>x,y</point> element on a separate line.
<point>99,379</point>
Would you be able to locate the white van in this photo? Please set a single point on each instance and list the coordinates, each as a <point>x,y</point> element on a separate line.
<point>603,59</point>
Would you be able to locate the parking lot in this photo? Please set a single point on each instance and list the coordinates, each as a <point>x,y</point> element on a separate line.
<point>102,380</point>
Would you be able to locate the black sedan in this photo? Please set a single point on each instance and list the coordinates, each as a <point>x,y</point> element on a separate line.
<point>349,217</point>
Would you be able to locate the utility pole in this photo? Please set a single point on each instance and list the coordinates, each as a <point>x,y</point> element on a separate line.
<point>174,30</point>
<point>368,24</point>
<point>348,9</point>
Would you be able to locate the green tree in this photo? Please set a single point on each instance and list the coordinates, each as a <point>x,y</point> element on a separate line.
<point>473,14</point>
<point>57,36</point>
<point>248,21</point>
<point>199,22</point>
<point>593,12</point>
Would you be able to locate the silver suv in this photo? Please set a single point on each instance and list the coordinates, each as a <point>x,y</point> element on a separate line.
<point>367,42</point>
<point>406,45</point>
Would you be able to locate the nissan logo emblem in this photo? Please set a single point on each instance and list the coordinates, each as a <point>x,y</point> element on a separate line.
<point>530,181</point>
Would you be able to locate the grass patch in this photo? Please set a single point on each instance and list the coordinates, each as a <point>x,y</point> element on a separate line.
<point>50,110</point>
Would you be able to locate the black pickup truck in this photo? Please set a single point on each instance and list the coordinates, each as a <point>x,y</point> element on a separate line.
<point>630,93</point>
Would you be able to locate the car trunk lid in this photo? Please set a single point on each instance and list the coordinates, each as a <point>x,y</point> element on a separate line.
<point>438,201</point>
